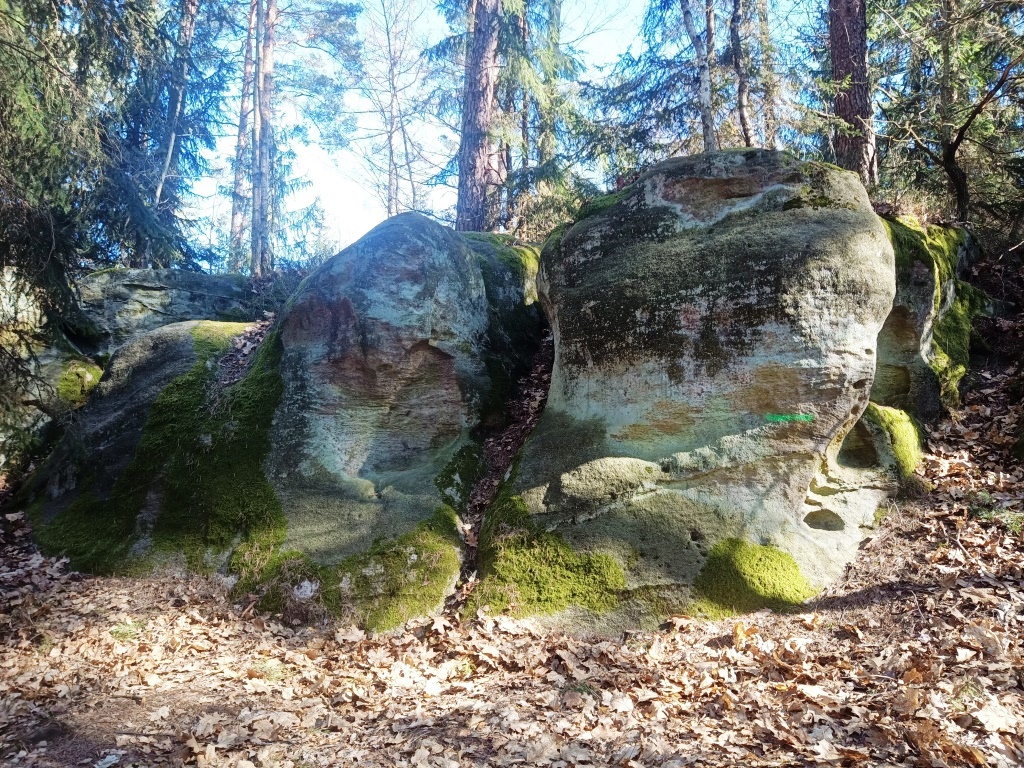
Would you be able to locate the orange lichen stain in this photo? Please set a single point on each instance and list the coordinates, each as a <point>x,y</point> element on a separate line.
<point>774,389</point>
<point>667,418</point>
<point>704,198</point>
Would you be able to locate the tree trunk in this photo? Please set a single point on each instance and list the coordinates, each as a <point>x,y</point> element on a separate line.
<point>179,81</point>
<point>257,225</point>
<point>238,195</point>
<point>267,147</point>
<point>957,181</point>
<point>855,138</point>
<point>707,114</point>
<point>546,144</point>
<point>739,60</point>
<point>770,86</point>
<point>524,114</point>
<point>477,115</point>
<point>262,254</point>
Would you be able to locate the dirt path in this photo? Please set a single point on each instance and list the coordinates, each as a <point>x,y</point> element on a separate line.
<point>914,659</point>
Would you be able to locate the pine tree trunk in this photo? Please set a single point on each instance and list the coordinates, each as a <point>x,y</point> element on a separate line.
<point>477,115</point>
<point>266,23</point>
<point>737,28</point>
<point>267,146</point>
<point>854,141</point>
<point>238,195</point>
<point>257,224</point>
<point>703,54</point>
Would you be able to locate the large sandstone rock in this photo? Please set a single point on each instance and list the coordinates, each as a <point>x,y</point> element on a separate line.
<point>119,304</point>
<point>924,346</point>
<point>383,381</point>
<point>54,377</point>
<point>327,472</point>
<point>715,333</point>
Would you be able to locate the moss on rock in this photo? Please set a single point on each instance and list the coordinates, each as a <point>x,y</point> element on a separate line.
<point>77,381</point>
<point>739,577</point>
<point>404,578</point>
<point>951,340</point>
<point>196,481</point>
<point>456,480</point>
<point>601,204</point>
<point>509,270</point>
<point>937,249</point>
<point>529,570</point>
<point>903,438</point>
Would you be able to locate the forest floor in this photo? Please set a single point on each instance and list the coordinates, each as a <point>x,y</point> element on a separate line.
<point>915,658</point>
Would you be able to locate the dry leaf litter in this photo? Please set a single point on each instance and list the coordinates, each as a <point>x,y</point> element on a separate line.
<point>914,659</point>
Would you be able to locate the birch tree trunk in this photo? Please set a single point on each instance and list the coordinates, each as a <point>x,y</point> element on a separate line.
<point>703,54</point>
<point>477,115</point>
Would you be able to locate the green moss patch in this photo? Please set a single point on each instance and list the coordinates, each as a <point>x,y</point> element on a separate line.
<point>77,381</point>
<point>197,474</point>
<point>951,340</point>
<point>601,204</point>
<point>554,239</point>
<point>937,249</point>
<point>905,438</point>
<point>407,577</point>
<point>457,479</point>
<point>739,577</point>
<point>521,258</point>
<point>529,570</point>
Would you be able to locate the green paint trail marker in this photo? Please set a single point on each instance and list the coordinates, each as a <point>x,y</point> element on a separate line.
<point>777,417</point>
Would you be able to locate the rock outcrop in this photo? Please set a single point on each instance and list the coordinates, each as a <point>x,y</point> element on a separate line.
<point>708,441</point>
<point>119,304</point>
<point>715,329</point>
<point>384,377</point>
<point>330,471</point>
<point>924,346</point>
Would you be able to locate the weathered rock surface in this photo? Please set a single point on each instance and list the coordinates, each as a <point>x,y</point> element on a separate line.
<point>60,378</point>
<point>715,330</point>
<point>923,348</point>
<point>107,430</point>
<point>323,471</point>
<point>118,304</point>
<point>383,381</point>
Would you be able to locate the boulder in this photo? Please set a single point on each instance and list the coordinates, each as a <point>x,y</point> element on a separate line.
<point>383,375</point>
<point>118,304</point>
<point>330,471</point>
<point>98,494</point>
<point>924,346</point>
<point>52,378</point>
<point>715,330</point>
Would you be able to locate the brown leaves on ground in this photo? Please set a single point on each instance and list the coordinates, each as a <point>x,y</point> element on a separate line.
<point>915,659</point>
